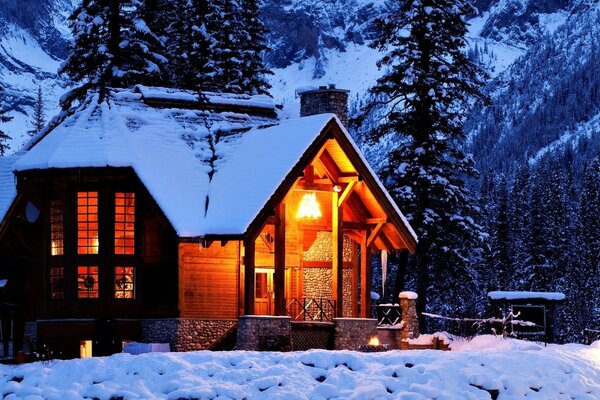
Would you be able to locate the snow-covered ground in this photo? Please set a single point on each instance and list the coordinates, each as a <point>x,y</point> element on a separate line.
<point>479,369</point>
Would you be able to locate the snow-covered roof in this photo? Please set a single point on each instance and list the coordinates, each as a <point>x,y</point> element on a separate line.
<point>8,184</point>
<point>207,176</point>
<point>236,195</point>
<point>552,296</point>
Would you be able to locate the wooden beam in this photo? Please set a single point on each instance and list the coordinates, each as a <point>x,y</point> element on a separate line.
<point>337,253</point>
<point>351,225</point>
<point>331,168</point>
<point>374,221</point>
<point>355,278</point>
<point>365,278</point>
<point>346,193</point>
<point>267,243</point>
<point>374,233</point>
<point>309,174</point>
<point>341,179</point>
<point>315,187</point>
<point>249,280</point>
<point>279,275</point>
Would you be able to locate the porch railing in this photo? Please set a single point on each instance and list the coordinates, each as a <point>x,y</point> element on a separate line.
<point>388,314</point>
<point>307,309</point>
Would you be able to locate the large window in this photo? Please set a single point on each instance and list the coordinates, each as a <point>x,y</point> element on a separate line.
<point>57,288</point>
<point>56,228</point>
<point>87,223</point>
<point>124,223</point>
<point>87,282</point>
<point>124,282</point>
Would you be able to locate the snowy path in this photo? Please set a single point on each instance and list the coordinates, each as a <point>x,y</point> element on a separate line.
<point>508,371</point>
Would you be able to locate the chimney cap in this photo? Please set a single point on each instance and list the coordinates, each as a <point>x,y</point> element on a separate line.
<point>322,88</point>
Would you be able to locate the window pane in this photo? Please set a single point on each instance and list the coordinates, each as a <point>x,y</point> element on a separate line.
<point>56,228</point>
<point>87,282</point>
<point>124,282</point>
<point>87,223</point>
<point>124,212</point>
<point>57,290</point>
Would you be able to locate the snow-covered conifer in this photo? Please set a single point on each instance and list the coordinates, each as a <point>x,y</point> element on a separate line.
<point>112,46</point>
<point>4,138</point>
<point>426,89</point>
<point>253,45</point>
<point>39,120</point>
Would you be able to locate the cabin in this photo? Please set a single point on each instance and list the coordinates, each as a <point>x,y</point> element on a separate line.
<point>165,216</point>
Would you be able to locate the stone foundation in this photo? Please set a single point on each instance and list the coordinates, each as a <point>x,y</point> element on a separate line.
<point>184,334</point>
<point>351,333</point>
<point>264,333</point>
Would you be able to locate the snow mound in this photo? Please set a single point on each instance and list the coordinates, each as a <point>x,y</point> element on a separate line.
<point>552,372</point>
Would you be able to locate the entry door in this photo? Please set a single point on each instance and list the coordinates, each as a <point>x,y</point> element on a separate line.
<point>264,293</point>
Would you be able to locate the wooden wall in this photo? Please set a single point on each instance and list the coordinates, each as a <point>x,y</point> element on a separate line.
<point>209,280</point>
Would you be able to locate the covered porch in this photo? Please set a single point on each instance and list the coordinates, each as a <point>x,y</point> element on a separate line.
<point>308,255</point>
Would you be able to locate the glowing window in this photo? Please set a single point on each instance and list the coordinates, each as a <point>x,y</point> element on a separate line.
<point>85,348</point>
<point>87,222</point>
<point>57,289</point>
<point>124,223</point>
<point>87,282</point>
<point>56,228</point>
<point>124,282</point>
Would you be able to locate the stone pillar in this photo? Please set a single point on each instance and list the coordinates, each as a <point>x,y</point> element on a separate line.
<point>30,336</point>
<point>351,333</point>
<point>264,333</point>
<point>408,304</point>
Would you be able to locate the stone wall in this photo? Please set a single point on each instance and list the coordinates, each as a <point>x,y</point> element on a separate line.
<point>325,100</point>
<point>318,284</point>
<point>351,333</point>
<point>321,248</point>
<point>264,333</point>
<point>184,334</point>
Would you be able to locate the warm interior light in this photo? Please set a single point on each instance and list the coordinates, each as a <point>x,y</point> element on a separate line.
<point>374,341</point>
<point>309,207</point>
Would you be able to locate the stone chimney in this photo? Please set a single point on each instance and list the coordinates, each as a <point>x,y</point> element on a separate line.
<point>325,99</point>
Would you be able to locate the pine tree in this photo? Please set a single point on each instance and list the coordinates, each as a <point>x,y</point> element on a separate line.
<point>252,48</point>
<point>582,291</point>
<point>4,138</point>
<point>426,91</point>
<point>111,47</point>
<point>226,55</point>
<point>39,119</point>
<point>191,45</point>
<point>518,227</point>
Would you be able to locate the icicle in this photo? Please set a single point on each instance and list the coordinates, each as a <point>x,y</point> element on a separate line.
<point>384,260</point>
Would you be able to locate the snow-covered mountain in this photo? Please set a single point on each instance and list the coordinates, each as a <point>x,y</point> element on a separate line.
<point>312,43</point>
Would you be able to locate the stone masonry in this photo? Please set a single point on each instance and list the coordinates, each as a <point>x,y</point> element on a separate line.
<point>408,304</point>
<point>264,333</point>
<point>184,334</point>
<point>326,99</point>
<point>351,333</point>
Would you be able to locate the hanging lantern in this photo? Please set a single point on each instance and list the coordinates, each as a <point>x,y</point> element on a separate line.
<point>309,207</point>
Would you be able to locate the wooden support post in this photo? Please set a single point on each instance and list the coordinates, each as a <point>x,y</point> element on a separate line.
<point>279,276</point>
<point>355,278</point>
<point>249,266</point>
<point>365,277</point>
<point>337,253</point>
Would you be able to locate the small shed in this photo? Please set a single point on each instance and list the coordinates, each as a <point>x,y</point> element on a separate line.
<point>536,307</point>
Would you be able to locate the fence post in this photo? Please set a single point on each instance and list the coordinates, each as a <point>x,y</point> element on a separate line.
<point>408,304</point>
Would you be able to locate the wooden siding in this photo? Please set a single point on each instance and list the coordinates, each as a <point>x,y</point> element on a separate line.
<point>209,280</point>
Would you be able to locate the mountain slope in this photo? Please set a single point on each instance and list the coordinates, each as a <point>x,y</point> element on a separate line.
<point>548,100</point>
